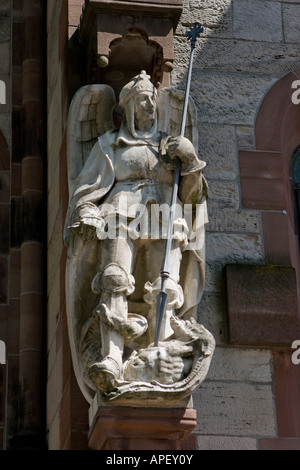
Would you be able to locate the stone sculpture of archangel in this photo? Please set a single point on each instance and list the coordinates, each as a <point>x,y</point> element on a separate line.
<point>120,183</point>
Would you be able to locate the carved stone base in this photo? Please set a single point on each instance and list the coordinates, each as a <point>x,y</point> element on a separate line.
<point>128,428</point>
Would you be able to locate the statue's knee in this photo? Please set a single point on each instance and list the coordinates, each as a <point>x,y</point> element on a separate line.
<point>113,280</point>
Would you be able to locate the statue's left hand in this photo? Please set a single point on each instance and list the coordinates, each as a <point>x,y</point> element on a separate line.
<point>183,148</point>
<point>180,147</point>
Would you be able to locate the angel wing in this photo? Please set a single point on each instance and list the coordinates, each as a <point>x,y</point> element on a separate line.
<point>170,105</point>
<point>90,115</point>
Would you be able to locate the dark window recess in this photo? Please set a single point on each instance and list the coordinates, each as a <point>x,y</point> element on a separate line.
<point>296,188</point>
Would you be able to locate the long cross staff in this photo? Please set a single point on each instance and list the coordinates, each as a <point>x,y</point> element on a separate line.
<point>192,34</point>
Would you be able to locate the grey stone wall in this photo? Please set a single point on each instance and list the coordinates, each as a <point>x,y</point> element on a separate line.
<point>247,46</point>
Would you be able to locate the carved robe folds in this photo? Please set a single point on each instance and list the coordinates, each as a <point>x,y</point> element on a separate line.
<point>120,184</point>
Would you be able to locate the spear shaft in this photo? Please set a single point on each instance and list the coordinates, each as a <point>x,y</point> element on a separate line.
<point>162,297</point>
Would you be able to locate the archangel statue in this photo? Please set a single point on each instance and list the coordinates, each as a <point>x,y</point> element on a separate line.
<point>120,183</point>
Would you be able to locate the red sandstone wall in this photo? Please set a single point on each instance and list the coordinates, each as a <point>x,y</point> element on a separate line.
<point>10,223</point>
<point>67,410</point>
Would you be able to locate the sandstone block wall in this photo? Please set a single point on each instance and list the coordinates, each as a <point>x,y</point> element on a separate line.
<point>66,408</point>
<point>9,293</point>
<point>247,46</point>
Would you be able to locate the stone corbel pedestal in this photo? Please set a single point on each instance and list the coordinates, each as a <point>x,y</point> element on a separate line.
<point>130,428</point>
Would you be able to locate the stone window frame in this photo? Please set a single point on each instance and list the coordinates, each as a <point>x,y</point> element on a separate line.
<point>277,135</point>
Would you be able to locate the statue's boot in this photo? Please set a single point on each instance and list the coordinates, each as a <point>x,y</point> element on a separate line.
<point>115,329</point>
<point>105,373</point>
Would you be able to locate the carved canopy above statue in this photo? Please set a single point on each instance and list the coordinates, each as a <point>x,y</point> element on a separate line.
<point>124,37</point>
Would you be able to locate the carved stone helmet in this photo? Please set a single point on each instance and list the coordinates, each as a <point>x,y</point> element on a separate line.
<point>138,84</point>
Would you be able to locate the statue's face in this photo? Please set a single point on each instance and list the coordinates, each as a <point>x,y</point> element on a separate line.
<point>144,110</point>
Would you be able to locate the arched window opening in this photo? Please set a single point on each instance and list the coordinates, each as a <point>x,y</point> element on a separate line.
<point>296,188</point>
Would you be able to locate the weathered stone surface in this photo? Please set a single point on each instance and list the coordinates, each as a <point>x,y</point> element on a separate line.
<point>211,314</point>
<point>223,195</point>
<point>226,443</point>
<point>226,247</point>
<point>214,277</point>
<point>257,20</point>
<point>228,408</point>
<point>217,147</point>
<point>238,55</point>
<point>241,364</point>
<point>291,27</point>
<point>226,97</point>
<point>231,220</point>
<point>215,15</point>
